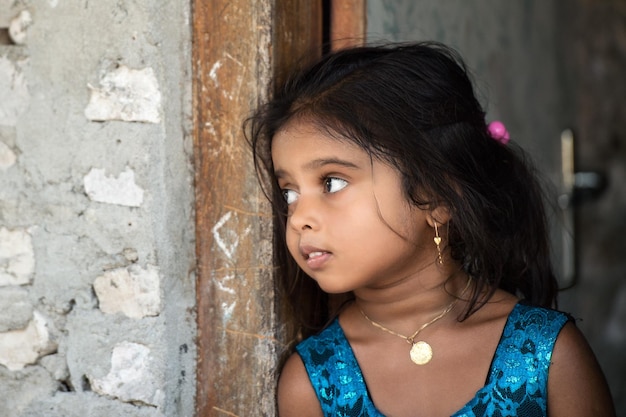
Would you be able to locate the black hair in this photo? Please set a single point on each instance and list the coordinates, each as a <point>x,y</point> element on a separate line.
<point>414,107</point>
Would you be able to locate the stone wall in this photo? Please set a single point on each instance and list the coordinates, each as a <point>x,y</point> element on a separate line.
<point>96,222</point>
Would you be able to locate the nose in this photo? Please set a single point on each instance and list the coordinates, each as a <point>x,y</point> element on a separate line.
<point>304,214</point>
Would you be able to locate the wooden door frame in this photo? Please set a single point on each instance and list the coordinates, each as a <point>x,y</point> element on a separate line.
<point>238,47</point>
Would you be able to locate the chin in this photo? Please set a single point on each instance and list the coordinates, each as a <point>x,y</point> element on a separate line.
<point>333,289</point>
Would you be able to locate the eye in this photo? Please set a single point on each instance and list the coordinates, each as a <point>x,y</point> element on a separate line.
<point>290,196</point>
<point>332,184</point>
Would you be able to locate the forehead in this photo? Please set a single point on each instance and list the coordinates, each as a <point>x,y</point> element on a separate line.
<point>302,138</point>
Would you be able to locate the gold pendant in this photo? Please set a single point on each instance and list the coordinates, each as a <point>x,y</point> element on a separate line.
<point>421,353</point>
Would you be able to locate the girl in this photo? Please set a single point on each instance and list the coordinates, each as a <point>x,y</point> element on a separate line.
<point>392,193</point>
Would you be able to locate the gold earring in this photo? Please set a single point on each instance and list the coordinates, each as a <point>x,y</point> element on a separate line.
<point>437,240</point>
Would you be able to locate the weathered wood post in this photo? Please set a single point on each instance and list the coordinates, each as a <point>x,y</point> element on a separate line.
<point>238,47</point>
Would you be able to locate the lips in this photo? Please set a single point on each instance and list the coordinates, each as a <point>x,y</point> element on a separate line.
<point>315,258</point>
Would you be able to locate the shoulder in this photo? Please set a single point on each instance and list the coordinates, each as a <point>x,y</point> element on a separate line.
<point>296,393</point>
<point>296,396</point>
<point>532,314</point>
<point>317,350</point>
<point>576,384</point>
<point>539,325</point>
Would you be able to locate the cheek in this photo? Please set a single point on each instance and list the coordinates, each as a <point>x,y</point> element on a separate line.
<point>292,244</point>
<point>408,223</point>
<point>393,210</point>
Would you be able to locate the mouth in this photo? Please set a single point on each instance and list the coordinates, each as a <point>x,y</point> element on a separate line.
<point>314,255</point>
<point>315,258</point>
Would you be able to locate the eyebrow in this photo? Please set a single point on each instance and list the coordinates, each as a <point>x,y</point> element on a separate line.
<point>319,163</point>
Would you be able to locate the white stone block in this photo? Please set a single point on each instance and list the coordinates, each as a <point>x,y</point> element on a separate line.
<point>7,157</point>
<point>17,258</point>
<point>126,94</point>
<point>121,191</point>
<point>133,377</point>
<point>19,348</point>
<point>19,26</point>
<point>14,95</point>
<point>132,291</point>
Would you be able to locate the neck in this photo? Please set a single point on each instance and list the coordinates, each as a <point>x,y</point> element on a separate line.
<point>411,302</point>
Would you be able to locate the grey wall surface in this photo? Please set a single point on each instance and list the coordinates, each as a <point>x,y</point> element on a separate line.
<point>592,47</point>
<point>544,66</point>
<point>508,47</point>
<point>96,209</point>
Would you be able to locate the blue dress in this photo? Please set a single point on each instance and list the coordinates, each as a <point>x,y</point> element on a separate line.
<point>516,384</point>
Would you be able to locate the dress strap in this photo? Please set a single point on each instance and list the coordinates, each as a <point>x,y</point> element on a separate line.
<point>335,374</point>
<point>518,378</point>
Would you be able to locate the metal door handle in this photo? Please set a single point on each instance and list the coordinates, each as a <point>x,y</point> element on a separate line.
<point>577,188</point>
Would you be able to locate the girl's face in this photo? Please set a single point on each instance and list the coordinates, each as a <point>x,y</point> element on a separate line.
<point>349,224</point>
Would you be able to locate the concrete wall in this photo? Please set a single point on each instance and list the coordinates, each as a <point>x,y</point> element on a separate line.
<point>508,46</point>
<point>96,209</point>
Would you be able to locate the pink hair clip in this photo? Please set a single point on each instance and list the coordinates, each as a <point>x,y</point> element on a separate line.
<point>498,131</point>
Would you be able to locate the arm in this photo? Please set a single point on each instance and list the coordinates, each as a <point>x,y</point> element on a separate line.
<point>576,384</point>
<point>296,397</point>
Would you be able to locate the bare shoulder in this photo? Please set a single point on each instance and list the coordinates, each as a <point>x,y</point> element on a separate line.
<point>576,385</point>
<point>296,397</point>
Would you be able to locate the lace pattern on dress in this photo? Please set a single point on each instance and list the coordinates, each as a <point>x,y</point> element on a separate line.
<point>516,385</point>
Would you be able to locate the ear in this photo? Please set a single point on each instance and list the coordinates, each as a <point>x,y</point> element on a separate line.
<point>440,214</point>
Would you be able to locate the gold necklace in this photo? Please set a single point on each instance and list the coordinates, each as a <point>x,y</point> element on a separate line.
<point>421,352</point>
